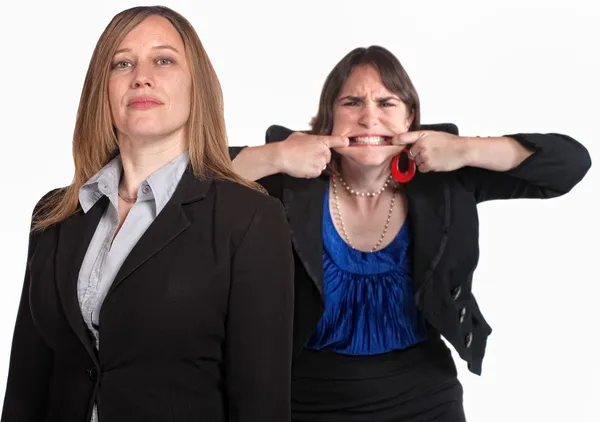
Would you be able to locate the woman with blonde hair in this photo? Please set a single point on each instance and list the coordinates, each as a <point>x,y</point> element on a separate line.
<point>158,283</point>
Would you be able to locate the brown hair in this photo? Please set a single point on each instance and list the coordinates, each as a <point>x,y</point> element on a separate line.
<point>393,76</point>
<point>94,139</point>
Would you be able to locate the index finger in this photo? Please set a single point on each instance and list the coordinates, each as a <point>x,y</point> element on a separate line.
<point>407,138</point>
<point>334,141</point>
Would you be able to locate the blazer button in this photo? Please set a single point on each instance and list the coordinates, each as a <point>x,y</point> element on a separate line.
<point>93,374</point>
<point>456,292</point>
<point>463,312</point>
<point>468,340</point>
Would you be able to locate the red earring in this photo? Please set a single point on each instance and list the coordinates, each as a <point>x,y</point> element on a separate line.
<point>403,176</point>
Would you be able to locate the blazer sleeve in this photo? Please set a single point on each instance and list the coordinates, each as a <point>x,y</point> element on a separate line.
<point>31,360</point>
<point>558,163</point>
<point>260,320</point>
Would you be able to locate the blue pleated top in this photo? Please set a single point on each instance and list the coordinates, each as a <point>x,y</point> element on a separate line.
<point>369,301</point>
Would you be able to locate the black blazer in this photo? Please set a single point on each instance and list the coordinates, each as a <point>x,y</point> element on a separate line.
<point>197,325</point>
<point>443,216</point>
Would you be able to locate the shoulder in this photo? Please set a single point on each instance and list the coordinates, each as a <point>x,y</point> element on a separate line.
<point>240,210</point>
<point>43,205</point>
<point>46,203</point>
<point>277,133</point>
<point>48,197</point>
<point>434,191</point>
<point>242,203</point>
<point>244,197</point>
<point>432,183</point>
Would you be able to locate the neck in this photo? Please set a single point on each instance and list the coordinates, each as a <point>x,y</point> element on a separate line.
<point>364,179</point>
<point>141,158</point>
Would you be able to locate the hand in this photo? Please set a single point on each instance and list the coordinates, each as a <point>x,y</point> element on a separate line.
<point>434,151</point>
<point>302,155</point>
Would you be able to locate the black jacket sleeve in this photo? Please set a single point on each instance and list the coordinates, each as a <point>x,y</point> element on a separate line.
<point>260,320</point>
<point>31,360</point>
<point>558,164</point>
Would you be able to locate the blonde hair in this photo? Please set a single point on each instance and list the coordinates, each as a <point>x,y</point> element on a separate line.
<point>94,139</point>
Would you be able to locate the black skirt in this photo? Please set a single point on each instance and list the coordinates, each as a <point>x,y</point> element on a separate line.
<point>418,384</point>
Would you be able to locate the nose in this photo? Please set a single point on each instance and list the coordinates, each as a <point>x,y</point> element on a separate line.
<point>369,116</point>
<point>142,77</point>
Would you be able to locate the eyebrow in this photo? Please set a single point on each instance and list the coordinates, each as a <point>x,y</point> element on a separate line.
<point>158,47</point>
<point>378,99</point>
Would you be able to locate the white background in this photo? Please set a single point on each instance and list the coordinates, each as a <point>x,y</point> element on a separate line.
<point>492,68</point>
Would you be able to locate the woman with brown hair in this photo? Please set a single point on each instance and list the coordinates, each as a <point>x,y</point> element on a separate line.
<point>384,269</point>
<point>159,283</point>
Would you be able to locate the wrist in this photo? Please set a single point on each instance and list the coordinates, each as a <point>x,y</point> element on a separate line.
<point>469,148</point>
<point>275,156</point>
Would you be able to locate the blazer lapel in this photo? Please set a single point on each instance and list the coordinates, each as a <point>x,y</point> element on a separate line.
<point>303,200</point>
<point>430,216</point>
<point>75,235</point>
<point>168,225</point>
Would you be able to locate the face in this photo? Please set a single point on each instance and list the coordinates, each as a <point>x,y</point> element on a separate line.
<point>150,83</point>
<point>370,115</point>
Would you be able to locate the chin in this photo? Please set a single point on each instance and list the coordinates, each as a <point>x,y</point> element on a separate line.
<point>370,156</point>
<point>148,129</point>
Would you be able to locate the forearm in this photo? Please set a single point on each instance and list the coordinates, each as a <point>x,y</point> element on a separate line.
<point>254,163</point>
<point>495,153</point>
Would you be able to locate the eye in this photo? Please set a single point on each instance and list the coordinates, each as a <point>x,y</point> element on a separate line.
<point>350,104</point>
<point>121,65</point>
<point>164,61</point>
<point>387,104</point>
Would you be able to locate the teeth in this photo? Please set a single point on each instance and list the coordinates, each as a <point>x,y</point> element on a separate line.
<point>369,140</point>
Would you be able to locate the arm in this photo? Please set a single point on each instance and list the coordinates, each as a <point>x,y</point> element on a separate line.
<point>524,166</point>
<point>30,368</point>
<point>497,154</point>
<point>260,320</point>
<point>516,166</point>
<point>254,163</point>
<point>294,153</point>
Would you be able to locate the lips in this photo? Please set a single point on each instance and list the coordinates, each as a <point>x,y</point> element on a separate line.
<point>370,140</point>
<point>144,102</point>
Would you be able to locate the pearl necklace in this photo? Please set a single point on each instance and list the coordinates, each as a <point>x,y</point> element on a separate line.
<point>371,194</point>
<point>341,220</point>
